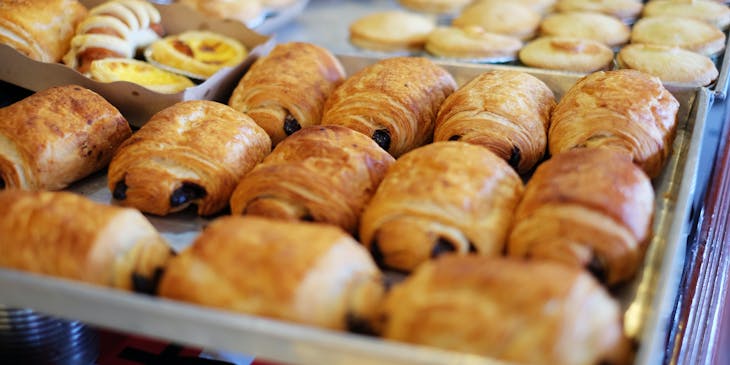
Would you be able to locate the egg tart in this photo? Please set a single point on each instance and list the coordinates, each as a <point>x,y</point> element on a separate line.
<point>138,72</point>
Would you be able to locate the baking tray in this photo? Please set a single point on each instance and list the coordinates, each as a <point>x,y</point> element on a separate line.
<point>339,14</point>
<point>647,301</point>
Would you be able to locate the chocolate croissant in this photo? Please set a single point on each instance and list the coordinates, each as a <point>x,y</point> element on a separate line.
<point>588,208</point>
<point>287,89</point>
<point>624,110</point>
<point>40,29</point>
<point>512,310</point>
<point>66,235</point>
<point>193,152</point>
<point>394,101</point>
<point>321,173</point>
<point>503,110</point>
<point>116,28</point>
<point>57,136</point>
<point>303,272</point>
<point>443,197</point>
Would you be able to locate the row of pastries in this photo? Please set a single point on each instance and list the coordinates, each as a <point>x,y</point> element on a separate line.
<point>333,180</point>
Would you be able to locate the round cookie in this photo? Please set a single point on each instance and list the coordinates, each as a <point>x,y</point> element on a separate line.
<point>435,6</point>
<point>567,54</point>
<point>626,10</point>
<point>670,64</point>
<point>707,11</point>
<point>472,43</point>
<point>600,27</point>
<point>391,31</point>
<point>502,17</point>
<point>690,34</point>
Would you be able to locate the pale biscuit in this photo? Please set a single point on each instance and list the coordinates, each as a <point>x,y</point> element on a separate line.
<point>626,10</point>
<point>472,43</point>
<point>707,11</point>
<point>502,17</point>
<point>690,34</point>
<point>670,64</point>
<point>391,31</point>
<point>567,54</point>
<point>435,6</point>
<point>600,27</point>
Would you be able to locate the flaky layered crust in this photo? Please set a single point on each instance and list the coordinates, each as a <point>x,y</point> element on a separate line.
<point>505,111</point>
<point>531,313</point>
<point>287,89</point>
<point>40,29</point>
<point>66,235</point>
<point>588,208</point>
<point>394,101</point>
<point>624,110</point>
<point>443,197</point>
<point>193,152</point>
<point>57,136</point>
<point>321,173</point>
<point>303,272</point>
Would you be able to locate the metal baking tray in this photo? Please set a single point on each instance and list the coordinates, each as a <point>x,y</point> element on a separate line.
<point>647,301</point>
<point>339,14</point>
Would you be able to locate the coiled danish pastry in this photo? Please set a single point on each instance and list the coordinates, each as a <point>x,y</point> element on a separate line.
<point>113,29</point>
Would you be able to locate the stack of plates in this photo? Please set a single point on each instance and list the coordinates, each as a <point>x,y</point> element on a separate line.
<point>27,337</point>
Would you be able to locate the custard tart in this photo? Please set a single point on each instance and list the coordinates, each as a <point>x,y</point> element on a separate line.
<point>139,72</point>
<point>196,54</point>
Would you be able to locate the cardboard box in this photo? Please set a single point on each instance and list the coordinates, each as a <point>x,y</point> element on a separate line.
<point>138,103</point>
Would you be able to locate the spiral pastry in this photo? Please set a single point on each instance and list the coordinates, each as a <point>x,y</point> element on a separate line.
<point>113,29</point>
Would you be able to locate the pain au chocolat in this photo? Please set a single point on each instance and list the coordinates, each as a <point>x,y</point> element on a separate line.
<point>512,310</point>
<point>439,198</point>
<point>193,152</point>
<point>394,101</point>
<point>321,173</point>
<point>309,273</point>
<point>589,208</point>
<point>625,110</point>
<point>286,90</point>
<point>66,235</point>
<point>57,136</point>
<point>503,110</point>
<point>40,29</point>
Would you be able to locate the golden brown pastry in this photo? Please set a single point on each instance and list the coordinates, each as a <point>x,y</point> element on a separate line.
<point>509,18</point>
<point>390,31</point>
<point>40,29</point>
<point>707,11</point>
<point>193,152</point>
<point>625,110</point>
<point>66,235</point>
<point>303,272</point>
<point>690,34</point>
<point>139,72</point>
<point>504,110</point>
<point>472,44</point>
<point>603,28</point>
<point>567,54</point>
<point>626,10</point>
<point>435,6</point>
<point>321,173</point>
<point>116,28</point>
<point>57,136</point>
<point>394,101</point>
<point>442,197</point>
<point>287,89</point>
<point>589,208</point>
<point>669,64</point>
<point>515,311</point>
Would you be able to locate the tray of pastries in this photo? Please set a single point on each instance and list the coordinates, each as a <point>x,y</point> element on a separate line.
<point>676,40</point>
<point>140,56</point>
<point>353,209</point>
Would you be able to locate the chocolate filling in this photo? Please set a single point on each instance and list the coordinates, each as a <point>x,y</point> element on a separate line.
<point>186,193</point>
<point>382,138</point>
<point>358,325</point>
<point>291,125</point>
<point>147,285</point>
<point>441,247</point>
<point>378,256</point>
<point>598,268</point>
<point>120,190</point>
<point>455,137</point>
<point>2,183</point>
<point>472,248</point>
<point>515,157</point>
